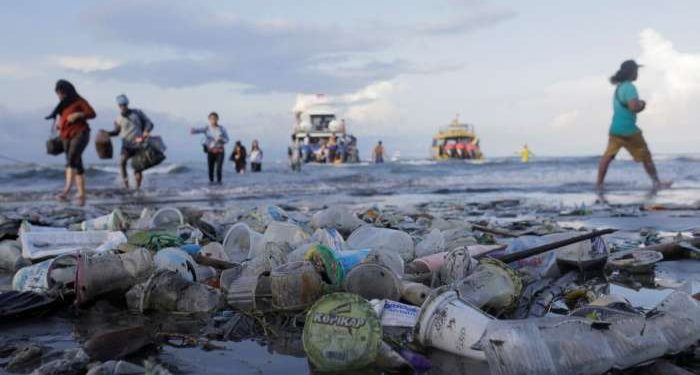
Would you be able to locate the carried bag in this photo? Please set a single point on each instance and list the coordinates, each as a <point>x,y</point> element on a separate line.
<point>103,145</point>
<point>150,154</point>
<point>54,146</point>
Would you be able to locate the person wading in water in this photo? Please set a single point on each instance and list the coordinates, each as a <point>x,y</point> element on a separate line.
<point>73,112</point>
<point>215,137</point>
<point>134,127</point>
<point>624,132</point>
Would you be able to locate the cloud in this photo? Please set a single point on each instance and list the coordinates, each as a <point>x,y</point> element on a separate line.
<point>265,55</point>
<point>16,72</point>
<point>467,23</point>
<point>86,64</point>
<point>670,82</point>
<point>565,120</point>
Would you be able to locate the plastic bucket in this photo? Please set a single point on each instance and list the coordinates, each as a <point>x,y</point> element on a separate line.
<point>493,286</point>
<point>103,273</point>
<point>178,261</point>
<point>241,243</point>
<point>295,286</point>
<point>342,332</point>
<point>99,274</point>
<point>43,276</point>
<point>452,325</point>
<point>329,237</point>
<point>373,281</point>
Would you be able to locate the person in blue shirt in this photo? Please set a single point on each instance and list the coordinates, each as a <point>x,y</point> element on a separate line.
<point>215,137</point>
<point>624,132</point>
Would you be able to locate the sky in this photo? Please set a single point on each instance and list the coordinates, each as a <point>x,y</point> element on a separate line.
<point>531,72</point>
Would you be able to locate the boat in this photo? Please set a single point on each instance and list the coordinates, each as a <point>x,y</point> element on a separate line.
<point>457,141</point>
<point>323,138</point>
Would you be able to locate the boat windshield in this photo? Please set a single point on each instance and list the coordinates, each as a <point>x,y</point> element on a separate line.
<point>321,122</point>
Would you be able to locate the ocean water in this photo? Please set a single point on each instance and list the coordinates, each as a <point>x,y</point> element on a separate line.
<point>562,181</point>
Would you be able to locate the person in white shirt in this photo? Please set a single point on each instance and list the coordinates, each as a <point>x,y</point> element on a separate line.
<point>256,157</point>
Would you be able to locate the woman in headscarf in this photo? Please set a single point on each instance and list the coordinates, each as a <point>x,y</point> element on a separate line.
<point>73,112</point>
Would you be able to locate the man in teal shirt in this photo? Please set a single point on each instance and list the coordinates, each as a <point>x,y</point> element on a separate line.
<point>624,132</point>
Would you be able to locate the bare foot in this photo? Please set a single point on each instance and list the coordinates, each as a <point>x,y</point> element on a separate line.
<point>62,196</point>
<point>80,199</point>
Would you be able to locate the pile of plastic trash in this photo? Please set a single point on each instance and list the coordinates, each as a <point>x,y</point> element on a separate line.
<point>361,289</point>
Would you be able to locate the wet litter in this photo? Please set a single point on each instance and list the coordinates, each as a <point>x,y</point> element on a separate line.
<point>425,289</point>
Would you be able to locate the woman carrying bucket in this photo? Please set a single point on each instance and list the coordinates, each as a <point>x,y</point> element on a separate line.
<point>256,157</point>
<point>215,137</point>
<point>73,112</point>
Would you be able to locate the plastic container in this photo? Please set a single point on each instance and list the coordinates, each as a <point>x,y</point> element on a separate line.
<point>241,243</point>
<point>493,286</point>
<point>178,261</point>
<point>349,259</point>
<point>388,259</point>
<point>43,276</point>
<point>285,233</point>
<point>325,260</point>
<point>214,250</point>
<point>167,218</point>
<point>373,281</point>
<point>342,332</point>
<point>295,286</point>
<point>114,221</point>
<point>430,263</point>
<point>243,292</point>
<point>11,256</point>
<point>414,293</point>
<point>272,256</point>
<point>103,273</point>
<point>635,261</point>
<point>168,291</point>
<point>329,237</point>
<point>43,244</point>
<point>452,325</point>
<point>336,217</point>
<point>458,265</point>
<point>433,243</point>
<point>370,237</point>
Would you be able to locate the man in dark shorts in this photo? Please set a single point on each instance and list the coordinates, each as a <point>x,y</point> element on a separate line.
<point>624,132</point>
<point>133,126</point>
